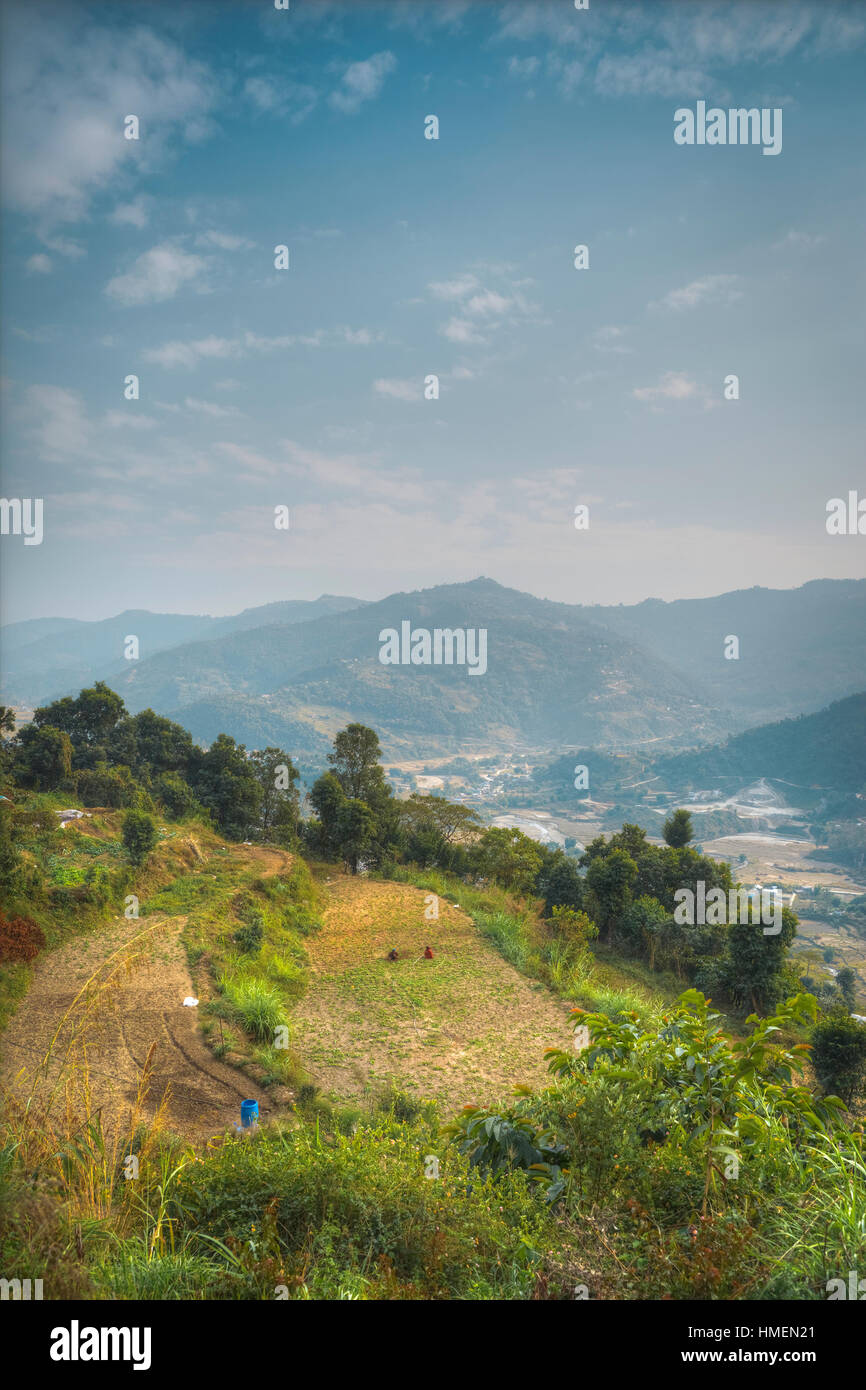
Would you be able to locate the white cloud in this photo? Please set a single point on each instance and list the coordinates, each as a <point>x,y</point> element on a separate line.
<point>59,422</point>
<point>359,337</point>
<point>178,354</point>
<point>188,354</point>
<point>488,302</point>
<point>673,386</point>
<point>655,73</point>
<point>609,339</point>
<point>798,241</point>
<point>279,97</point>
<point>69,82</point>
<point>208,408</point>
<point>362,82</point>
<point>362,472</point>
<point>523,68</point>
<point>43,265</point>
<point>401,390</point>
<point>129,419</point>
<point>458,330</point>
<point>711,289</point>
<point>63,245</point>
<point>133,214</point>
<point>457,288</point>
<point>224,241</point>
<point>156,275</point>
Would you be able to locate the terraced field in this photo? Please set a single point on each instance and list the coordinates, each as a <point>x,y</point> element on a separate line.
<point>464,1027</point>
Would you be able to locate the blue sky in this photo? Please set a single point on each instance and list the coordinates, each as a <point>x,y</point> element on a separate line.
<point>410,257</point>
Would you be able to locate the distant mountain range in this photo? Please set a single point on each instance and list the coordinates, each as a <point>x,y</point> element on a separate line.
<point>45,657</point>
<point>825,751</point>
<point>557,674</point>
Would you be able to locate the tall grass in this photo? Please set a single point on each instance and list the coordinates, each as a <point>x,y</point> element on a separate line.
<point>515,927</point>
<point>257,1006</point>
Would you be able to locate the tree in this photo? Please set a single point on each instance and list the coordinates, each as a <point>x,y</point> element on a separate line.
<point>609,882</point>
<point>642,926</point>
<point>277,777</point>
<point>160,745</point>
<point>88,720</point>
<point>510,857</point>
<point>577,929</point>
<point>176,795</point>
<point>560,883</point>
<point>754,966</point>
<point>102,785</point>
<point>327,799</point>
<point>227,786</point>
<point>847,982</point>
<point>43,757</point>
<point>356,764</point>
<point>678,830</point>
<point>139,835</point>
<point>435,828</point>
<point>356,827</point>
<point>632,838</point>
<point>839,1055</point>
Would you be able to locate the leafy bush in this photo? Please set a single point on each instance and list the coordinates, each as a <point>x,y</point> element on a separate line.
<point>139,835</point>
<point>839,1055</point>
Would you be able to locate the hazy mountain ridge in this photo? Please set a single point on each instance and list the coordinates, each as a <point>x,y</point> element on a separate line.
<point>552,674</point>
<point>823,750</point>
<point>293,672</point>
<point>42,658</point>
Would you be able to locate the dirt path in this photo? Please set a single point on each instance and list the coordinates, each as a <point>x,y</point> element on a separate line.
<point>135,1001</point>
<point>463,1028</point>
<point>99,1003</point>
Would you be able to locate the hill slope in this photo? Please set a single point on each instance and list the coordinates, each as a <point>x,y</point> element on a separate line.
<point>552,676</point>
<point>46,657</point>
<point>827,749</point>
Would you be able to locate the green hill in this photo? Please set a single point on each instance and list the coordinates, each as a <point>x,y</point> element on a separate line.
<point>826,750</point>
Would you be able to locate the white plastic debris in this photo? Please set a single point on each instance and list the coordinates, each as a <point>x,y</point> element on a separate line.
<point>189,1002</point>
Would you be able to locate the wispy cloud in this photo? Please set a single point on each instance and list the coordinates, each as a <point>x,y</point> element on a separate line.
<point>67,91</point>
<point>362,82</point>
<point>157,275</point>
<point>405,389</point>
<point>710,289</point>
<point>673,386</point>
<point>190,353</point>
<point>135,213</point>
<point>279,96</point>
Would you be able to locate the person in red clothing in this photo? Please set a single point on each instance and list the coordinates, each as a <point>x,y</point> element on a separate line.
<point>428,954</point>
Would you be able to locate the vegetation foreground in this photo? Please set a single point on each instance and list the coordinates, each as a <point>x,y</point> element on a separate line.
<point>625,1138</point>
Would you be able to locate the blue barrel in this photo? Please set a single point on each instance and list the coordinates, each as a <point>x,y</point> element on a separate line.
<point>249,1113</point>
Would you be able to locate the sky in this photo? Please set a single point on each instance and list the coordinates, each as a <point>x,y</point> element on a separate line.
<point>304,388</point>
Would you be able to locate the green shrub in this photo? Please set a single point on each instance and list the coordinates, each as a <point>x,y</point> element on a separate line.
<point>255,1004</point>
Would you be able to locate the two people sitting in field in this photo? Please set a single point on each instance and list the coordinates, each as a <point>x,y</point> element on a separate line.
<point>428,953</point>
